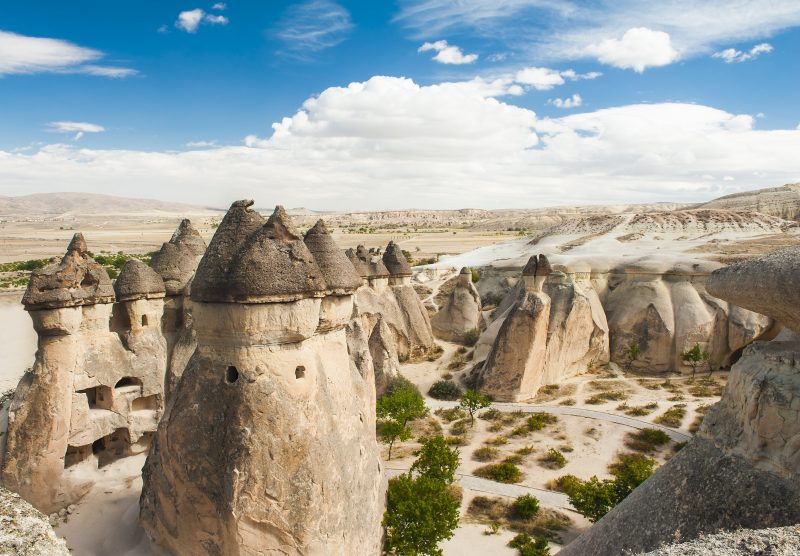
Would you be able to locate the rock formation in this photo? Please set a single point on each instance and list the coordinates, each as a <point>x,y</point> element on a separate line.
<point>461,313</point>
<point>24,531</point>
<point>268,444</point>
<point>176,262</point>
<point>555,329</point>
<point>742,469</point>
<point>95,392</point>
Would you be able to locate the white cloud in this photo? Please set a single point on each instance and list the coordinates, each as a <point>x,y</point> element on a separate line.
<point>78,128</point>
<point>190,20</point>
<point>448,53</point>
<point>570,102</point>
<point>201,144</point>
<point>731,55</point>
<point>20,54</point>
<point>220,6</point>
<point>544,79</point>
<point>553,30</point>
<point>312,26</point>
<point>638,49</point>
<point>391,143</point>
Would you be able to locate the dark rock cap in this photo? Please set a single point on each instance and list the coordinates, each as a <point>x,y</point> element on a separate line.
<point>378,270</point>
<point>210,280</point>
<point>465,270</point>
<point>395,261</point>
<point>339,273</point>
<point>177,259</point>
<point>74,281</point>
<point>360,266</point>
<point>138,281</point>
<point>269,264</point>
<point>538,265</point>
<point>769,284</point>
<point>363,254</point>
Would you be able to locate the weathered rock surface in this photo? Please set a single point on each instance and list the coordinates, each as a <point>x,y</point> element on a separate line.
<point>268,444</point>
<point>777,541</point>
<point>384,356</point>
<point>177,259</point>
<point>95,392</point>
<point>769,285</point>
<point>783,202</point>
<point>138,281</point>
<point>24,531</point>
<point>743,467</point>
<point>461,313</point>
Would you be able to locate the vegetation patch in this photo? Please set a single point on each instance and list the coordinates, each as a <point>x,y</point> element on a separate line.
<point>501,472</point>
<point>485,453</point>
<point>523,515</point>
<point>450,415</point>
<point>646,440</point>
<point>539,420</point>
<point>603,397</point>
<point>637,410</point>
<point>551,392</point>
<point>673,417</point>
<point>553,459</point>
<point>445,390</point>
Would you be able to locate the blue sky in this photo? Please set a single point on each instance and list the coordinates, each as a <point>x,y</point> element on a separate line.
<point>453,103</point>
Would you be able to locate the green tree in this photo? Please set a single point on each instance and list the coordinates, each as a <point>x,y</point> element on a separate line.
<point>709,363</point>
<point>632,354</point>
<point>437,460</point>
<point>472,402</point>
<point>693,357</point>
<point>422,511</point>
<point>395,410</point>
<point>630,470</point>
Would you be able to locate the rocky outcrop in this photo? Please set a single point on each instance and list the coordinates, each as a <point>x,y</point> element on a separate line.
<point>462,311</point>
<point>95,392</point>
<point>555,329</point>
<point>783,202</point>
<point>777,541</point>
<point>268,444</point>
<point>743,467</point>
<point>176,263</point>
<point>24,531</point>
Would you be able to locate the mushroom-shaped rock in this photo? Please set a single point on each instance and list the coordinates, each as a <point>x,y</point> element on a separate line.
<point>538,265</point>
<point>362,253</point>
<point>378,270</point>
<point>360,266</point>
<point>177,259</point>
<point>239,223</point>
<point>769,285</point>
<point>395,261</point>
<point>138,281</point>
<point>76,280</point>
<point>339,273</point>
<point>274,265</point>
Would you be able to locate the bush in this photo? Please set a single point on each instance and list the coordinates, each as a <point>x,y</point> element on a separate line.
<point>445,390</point>
<point>646,440</point>
<point>673,417</point>
<point>485,453</point>
<point>553,459</point>
<point>399,383</point>
<point>500,472</point>
<point>565,482</point>
<point>476,275</point>
<point>471,337</point>
<point>459,427</point>
<point>538,421</point>
<point>525,507</point>
<point>530,546</point>
<point>450,415</point>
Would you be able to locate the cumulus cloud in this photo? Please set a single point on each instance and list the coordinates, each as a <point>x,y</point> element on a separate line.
<point>219,6</point>
<point>390,143</point>
<point>448,53</point>
<point>638,49</point>
<point>20,54</point>
<point>190,20</point>
<point>570,102</point>
<point>544,79</point>
<point>731,55</point>
<point>312,26</point>
<point>78,128</point>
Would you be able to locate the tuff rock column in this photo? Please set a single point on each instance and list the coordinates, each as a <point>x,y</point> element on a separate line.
<point>268,444</point>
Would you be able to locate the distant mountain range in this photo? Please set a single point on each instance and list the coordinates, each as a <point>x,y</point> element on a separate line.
<point>92,203</point>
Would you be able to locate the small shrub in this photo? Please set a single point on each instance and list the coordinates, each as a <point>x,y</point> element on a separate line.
<point>646,440</point>
<point>445,390</point>
<point>525,450</point>
<point>538,421</point>
<point>521,430</point>
<point>476,274</point>
<point>530,546</point>
<point>459,428</point>
<point>491,414</point>
<point>497,426</point>
<point>568,401</point>
<point>603,397</point>
<point>525,507</point>
<point>516,459</point>
<point>450,415</point>
<point>496,441</point>
<point>553,459</point>
<point>485,453</point>
<point>695,426</point>
<point>563,483</point>
<point>500,472</point>
<point>457,440</point>
<point>471,337</point>
<point>673,417</point>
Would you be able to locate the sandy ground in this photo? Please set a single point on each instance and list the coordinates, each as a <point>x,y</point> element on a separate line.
<point>17,341</point>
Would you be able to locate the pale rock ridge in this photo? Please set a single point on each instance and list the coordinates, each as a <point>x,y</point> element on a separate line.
<point>743,467</point>
<point>95,392</point>
<point>783,202</point>
<point>268,443</point>
<point>555,329</point>
<point>462,311</point>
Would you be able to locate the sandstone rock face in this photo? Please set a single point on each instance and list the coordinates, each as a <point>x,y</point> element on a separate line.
<point>461,313</point>
<point>384,356</point>
<point>268,443</point>
<point>743,467</point>
<point>95,392</point>
<point>24,531</point>
<point>555,329</point>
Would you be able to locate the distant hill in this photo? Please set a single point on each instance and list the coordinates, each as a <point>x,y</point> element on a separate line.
<point>91,203</point>
<point>783,202</point>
